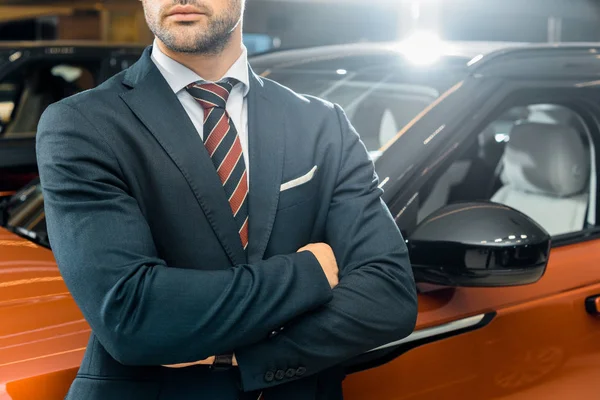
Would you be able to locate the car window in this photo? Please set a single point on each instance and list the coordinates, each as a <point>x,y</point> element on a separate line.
<point>537,158</point>
<point>35,88</point>
<point>378,100</point>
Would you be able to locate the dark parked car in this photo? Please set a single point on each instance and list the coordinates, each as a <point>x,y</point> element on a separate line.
<point>494,185</point>
<point>35,75</point>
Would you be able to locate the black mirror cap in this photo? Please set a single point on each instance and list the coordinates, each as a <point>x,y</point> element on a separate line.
<point>481,244</point>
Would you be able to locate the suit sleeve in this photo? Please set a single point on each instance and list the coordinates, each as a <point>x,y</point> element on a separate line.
<point>143,311</point>
<point>375,301</point>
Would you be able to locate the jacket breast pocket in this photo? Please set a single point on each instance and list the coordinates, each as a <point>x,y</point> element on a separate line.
<point>298,190</point>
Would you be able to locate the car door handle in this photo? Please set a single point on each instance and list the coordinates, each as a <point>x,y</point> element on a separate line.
<point>592,305</point>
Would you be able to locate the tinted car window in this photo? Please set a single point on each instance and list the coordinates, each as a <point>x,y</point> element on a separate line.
<point>515,160</point>
<point>36,87</point>
<point>380,95</point>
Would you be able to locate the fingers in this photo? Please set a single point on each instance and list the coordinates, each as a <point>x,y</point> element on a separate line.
<point>208,361</point>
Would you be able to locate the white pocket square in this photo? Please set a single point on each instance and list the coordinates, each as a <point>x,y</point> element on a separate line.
<point>299,181</point>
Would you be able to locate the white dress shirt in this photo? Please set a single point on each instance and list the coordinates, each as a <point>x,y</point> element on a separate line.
<point>179,76</point>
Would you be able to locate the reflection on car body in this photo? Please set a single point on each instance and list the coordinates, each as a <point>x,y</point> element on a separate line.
<point>479,204</point>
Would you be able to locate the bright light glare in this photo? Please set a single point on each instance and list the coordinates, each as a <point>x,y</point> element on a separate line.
<point>502,137</point>
<point>415,10</point>
<point>475,59</point>
<point>423,48</point>
<point>341,72</point>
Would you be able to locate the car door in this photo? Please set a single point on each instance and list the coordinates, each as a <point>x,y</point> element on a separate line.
<point>521,342</point>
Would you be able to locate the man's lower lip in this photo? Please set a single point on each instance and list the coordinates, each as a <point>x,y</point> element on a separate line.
<point>186,17</point>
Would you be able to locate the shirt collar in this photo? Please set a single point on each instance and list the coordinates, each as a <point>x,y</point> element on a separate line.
<point>179,76</point>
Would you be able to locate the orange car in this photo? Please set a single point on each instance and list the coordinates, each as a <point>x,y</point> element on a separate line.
<point>481,182</point>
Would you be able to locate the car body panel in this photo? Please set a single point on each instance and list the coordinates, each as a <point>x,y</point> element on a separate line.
<point>498,361</point>
<point>43,333</point>
<point>447,304</point>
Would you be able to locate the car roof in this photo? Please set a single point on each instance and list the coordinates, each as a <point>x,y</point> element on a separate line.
<point>536,61</point>
<point>466,50</point>
<point>492,58</point>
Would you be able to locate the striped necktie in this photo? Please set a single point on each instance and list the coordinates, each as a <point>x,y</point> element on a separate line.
<point>224,147</point>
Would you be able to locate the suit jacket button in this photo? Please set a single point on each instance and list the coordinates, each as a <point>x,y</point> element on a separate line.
<point>300,371</point>
<point>290,373</point>
<point>279,375</point>
<point>273,334</point>
<point>269,376</point>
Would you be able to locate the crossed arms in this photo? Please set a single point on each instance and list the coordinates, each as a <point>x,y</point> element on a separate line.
<point>147,313</point>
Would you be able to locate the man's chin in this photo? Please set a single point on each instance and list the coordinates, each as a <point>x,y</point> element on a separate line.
<point>191,39</point>
<point>181,40</point>
<point>185,46</point>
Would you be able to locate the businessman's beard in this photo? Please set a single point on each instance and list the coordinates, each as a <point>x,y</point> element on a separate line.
<point>207,37</point>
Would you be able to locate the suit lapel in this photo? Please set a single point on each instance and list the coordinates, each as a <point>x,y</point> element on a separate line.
<point>159,109</point>
<point>266,133</point>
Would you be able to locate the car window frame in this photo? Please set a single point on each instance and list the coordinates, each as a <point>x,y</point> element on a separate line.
<point>511,93</point>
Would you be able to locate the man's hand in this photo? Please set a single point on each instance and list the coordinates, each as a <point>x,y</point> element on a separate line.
<point>326,258</point>
<point>208,361</point>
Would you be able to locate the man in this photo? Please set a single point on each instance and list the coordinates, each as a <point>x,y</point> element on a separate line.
<point>199,213</point>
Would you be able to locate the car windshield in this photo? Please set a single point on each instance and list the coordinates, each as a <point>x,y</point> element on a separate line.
<point>26,92</point>
<point>378,99</point>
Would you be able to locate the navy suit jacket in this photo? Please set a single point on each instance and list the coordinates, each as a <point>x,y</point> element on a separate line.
<point>145,240</point>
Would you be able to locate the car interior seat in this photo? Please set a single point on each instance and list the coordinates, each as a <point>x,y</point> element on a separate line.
<point>557,114</point>
<point>546,170</point>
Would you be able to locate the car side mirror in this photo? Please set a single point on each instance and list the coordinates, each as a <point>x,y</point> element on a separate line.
<point>478,245</point>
